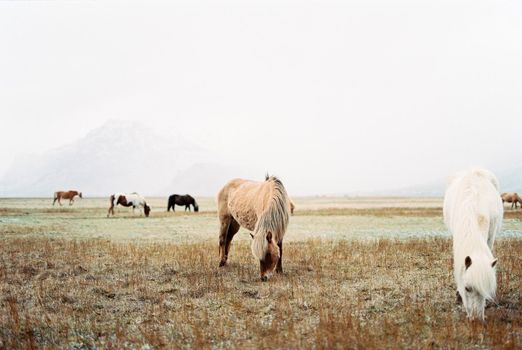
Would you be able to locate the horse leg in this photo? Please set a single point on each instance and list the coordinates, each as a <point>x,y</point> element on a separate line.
<point>55,199</point>
<point>233,227</point>
<point>279,267</point>
<point>71,201</point>
<point>59,201</point>
<point>223,233</point>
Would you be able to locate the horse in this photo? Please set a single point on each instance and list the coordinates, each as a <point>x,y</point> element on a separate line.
<point>128,200</point>
<point>292,206</point>
<point>59,195</point>
<point>511,197</point>
<point>473,212</point>
<point>261,207</point>
<point>185,200</point>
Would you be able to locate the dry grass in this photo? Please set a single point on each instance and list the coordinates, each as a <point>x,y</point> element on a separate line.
<point>392,211</point>
<point>333,294</point>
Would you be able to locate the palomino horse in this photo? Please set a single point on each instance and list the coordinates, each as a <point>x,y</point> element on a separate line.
<point>58,196</point>
<point>185,200</point>
<point>261,207</point>
<point>511,197</point>
<point>128,200</point>
<point>473,212</point>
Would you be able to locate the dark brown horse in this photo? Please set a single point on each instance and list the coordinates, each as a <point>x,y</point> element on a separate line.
<point>58,196</point>
<point>186,201</point>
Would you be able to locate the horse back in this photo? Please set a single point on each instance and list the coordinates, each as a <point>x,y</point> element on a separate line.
<point>244,200</point>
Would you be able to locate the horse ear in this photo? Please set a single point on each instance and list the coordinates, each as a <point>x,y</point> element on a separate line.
<point>494,262</point>
<point>269,237</point>
<point>467,262</point>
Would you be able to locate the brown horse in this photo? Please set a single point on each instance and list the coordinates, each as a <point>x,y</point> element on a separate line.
<point>58,196</point>
<point>261,207</point>
<point>511,197</point>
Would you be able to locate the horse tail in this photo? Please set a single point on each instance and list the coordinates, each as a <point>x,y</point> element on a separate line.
<point>274,219</point>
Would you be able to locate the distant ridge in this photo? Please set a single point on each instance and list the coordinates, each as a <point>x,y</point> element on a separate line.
<point>206,179</point>
<point>118,156</point>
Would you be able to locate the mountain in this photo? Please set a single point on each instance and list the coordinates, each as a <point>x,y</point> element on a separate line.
<point>206,179</point>
<point>118,156</point>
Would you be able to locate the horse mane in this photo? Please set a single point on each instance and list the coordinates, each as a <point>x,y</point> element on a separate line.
<point>273,219</point>
<point>483,277</point>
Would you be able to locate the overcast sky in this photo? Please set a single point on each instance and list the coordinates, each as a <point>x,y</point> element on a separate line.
<point>349,95</point>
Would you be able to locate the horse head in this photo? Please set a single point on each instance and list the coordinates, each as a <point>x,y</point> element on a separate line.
<point>146,209</point>
<point>196,207</point>
<point>478,285</point>
<point>80,194</point>
<point>267,251</point>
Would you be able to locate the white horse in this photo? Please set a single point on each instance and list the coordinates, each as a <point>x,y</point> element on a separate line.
<point>473,213</point>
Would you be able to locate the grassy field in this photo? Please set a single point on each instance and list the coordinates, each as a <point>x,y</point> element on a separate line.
<point>359,273</point>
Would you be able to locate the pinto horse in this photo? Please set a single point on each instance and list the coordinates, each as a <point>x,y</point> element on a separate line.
<point>261,207</point>
<point>511,197</point>
<point>185,200</point>
<point>128,200</point>
<point>58,196</point>
<point>473,212</point>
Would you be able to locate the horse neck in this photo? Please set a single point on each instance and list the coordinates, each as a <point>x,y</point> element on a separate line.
<point>276,215</point>
<point>470,242</point>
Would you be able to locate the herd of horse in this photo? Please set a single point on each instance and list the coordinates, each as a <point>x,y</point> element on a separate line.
<point>473,211</point>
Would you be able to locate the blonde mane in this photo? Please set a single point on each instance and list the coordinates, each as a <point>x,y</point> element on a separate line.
<point>273,219</point>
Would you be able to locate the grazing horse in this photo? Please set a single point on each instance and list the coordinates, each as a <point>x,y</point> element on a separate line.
<point>473,212</point>
<point>58,196</point>
<point>261,207</point>
<point>128,200</point>
<point>185,200</point>
<point>511,197</point>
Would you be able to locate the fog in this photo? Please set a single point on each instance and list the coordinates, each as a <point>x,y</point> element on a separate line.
<point>331,96</point>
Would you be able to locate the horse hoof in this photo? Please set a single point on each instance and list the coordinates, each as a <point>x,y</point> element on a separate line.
<point>221,264</point>
<point>264,278</point>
